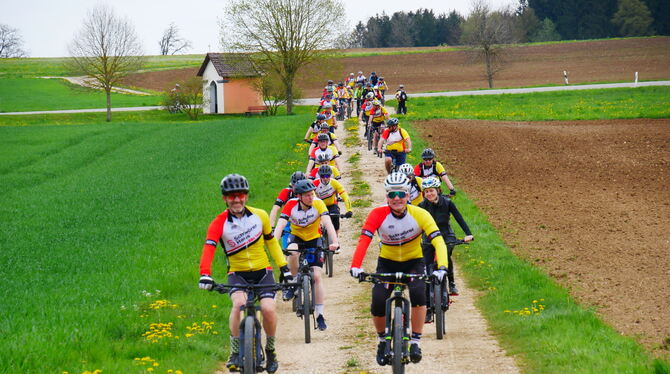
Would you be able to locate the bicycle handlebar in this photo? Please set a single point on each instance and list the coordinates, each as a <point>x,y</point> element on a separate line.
<point>376,277</point>
<point>222,288</point>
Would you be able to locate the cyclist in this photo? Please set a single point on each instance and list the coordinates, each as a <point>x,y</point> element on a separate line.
<point>330,115</point>
<point>329,89</point>
<point>432,168</point>
<point>324,148</point>
<point>441,207</point>
<point>415,189</point>
<point>307,214</point>
<point>323,159</point>
<point>351,80</point>
<point>329,190</point>
<point>360,78</point>
<point>358,95</point>
<point>366,107</point>
<point>397,142</point>
<point>399,227</point>
<point>325,129</point>
<point>382,87</point>
<point>401,96</point>
<point>314,128</point>
<point>378,114</point>
<point>243,232</point>
<point>285,195</point>
<point>343,97</point>
<point>373,78</point>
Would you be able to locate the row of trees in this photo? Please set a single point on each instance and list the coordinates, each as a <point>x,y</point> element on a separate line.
<point>531,21</point>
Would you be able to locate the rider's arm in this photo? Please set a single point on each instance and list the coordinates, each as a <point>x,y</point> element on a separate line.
<point>332,234</point>
<point>270,241</point>
<point>372,223</point>
<point>310,165</point>
<point>459,218</point>
<point>273,214</point>
<point>209,248</point>
<point>279,229</point>
<point>382,140</point>
<point>408,145</point>
<point>343,193</point>
<point>432,232</point>
<point>439,169</point>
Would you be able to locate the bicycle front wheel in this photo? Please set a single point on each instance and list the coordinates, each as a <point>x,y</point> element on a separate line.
<point>306,307</point>
<point>397,362</point>
<point>329,263</point>
<point>249,360</point>
<point>438,309</point>
<point>370,137</point>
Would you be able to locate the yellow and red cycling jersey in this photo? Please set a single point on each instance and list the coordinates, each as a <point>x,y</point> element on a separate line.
<point>400,236</point>
<point>435,170</point>
<point>329,151</point>
<point>305,224</point>
<point>243,240</point>
<point>415,195</point>
<point>330,116</point>
<point>378,114</point>
<point>367,107</point>
<point>329,192</point>
<point>395,141</point>
<point>342,93</point>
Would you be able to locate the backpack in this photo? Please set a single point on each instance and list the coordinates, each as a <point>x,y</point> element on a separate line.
<point>403,96</point>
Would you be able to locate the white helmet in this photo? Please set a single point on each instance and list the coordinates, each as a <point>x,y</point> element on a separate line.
<point>396,182</point>
<point>406,169</point>
<point>369,96</point>
<point>327,105</point>
<point>430,182</point>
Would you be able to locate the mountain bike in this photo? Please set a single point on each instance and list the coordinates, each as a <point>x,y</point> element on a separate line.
<point>438,296</point>
<point>329,254</point>
<point>397,316</point>
<point>304,300</point>
<point>341,110</point>
<point>252,355</point>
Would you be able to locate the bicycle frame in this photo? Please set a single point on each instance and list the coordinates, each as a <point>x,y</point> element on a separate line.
<point>304,302</point>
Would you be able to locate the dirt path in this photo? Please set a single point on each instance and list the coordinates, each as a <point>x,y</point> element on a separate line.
<point>349,343</point>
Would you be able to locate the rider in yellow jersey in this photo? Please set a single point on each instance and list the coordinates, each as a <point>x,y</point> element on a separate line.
<point>415,189</point>
<point>328,190</point>
<point>400,227</point>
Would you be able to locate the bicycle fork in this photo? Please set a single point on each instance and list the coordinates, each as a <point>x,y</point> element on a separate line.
<point>391,303</point>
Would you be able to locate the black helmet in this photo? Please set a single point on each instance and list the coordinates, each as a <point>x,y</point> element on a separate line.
<point>373,73</point>
<point>321,137</point>
<point>320,117</point>
<point>330,81</point>
<point>325,170</point>
<point>324,126</point>
<point>427,154</point>
<point>303,186</point>
<point>340,84</point>
<point>234,183</point>
<point>392,122</point>
<point>295,177</point>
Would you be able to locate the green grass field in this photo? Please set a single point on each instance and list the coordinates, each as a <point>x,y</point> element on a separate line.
<point>532,316</point>
<point>641,102</point>
<point>28,94</point>
<point>97,217</point>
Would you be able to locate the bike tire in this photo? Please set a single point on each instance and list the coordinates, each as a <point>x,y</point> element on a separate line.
<point>329,263</point>
<point>307,307</point>
<point>249,359</point>
<point>370,138</point>
<point>296,301</point>
<point>397,360</point>
<point>438,310</point>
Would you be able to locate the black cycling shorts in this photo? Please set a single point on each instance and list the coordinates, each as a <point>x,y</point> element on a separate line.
<point>263,276</point>
<point>314,255</point>
<point>334,211</point>
<point>382,291</point>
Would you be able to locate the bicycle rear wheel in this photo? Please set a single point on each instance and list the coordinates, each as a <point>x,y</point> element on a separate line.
<point>306,307</point>
<point>249,360</point>
<point>370,137</point>
<point>439,310</point>
<point>329,263</point>
<point>397,362</point>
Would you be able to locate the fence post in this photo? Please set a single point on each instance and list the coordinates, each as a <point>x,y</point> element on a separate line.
<point>565,76</point>
<point>636,78</point>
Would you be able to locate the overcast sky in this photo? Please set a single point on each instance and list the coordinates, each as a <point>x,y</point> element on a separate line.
<point>47,26</point>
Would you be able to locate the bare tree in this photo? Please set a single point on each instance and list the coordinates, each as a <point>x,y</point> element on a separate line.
<point>171,42</point>
<point>106,49</point>
<point>11,43</point>
<point>284,35</point>
<point>485,31</point>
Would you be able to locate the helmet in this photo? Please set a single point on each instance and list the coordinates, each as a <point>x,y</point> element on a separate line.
<point>392,122</point>
<point>406,169</point>
<point>381,78</point>
<point>340,84</point>
<point>322,157</point>
<point>402,86</point>
<point>373,73</point>
<point>234,183</point>
<point>360,72</point>
<point>296,176</point>
<point>328,105</point>
<point>375,87</point>
<point>369,95</point>
<point>351,74</point>
<point>376,102</point>
<point>330,81</point>
<point>430,182</point>
<point>427,154</point>
<point>324,126</point>
<point>368,84</point>
<point>303,186</point>
<point>321,137</point>
<point>321,117</point>
<point>396,182</point>
<point>325,170</point>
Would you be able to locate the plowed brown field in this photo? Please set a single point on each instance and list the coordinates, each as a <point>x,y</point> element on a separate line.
<point>588,201</point>
<point>590,61</point>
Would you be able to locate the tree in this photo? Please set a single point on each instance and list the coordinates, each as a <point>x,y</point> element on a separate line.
<point>546,32</point>
<point>106,49</point>
<point>271,89</point>
<point>284,35</point>
<point>485,31</point>
<point>186,96</point>
<point>11,43</point>
<point>171,42</point>
<point>633,18</point>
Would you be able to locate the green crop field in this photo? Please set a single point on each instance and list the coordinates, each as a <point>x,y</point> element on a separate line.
<point>103,226</point>
<point>28,94</point>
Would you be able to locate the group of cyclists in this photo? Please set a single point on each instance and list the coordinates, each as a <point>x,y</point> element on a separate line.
<point>412,225</point>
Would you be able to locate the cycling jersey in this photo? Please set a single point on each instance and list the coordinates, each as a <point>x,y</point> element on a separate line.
<point>329,192</point>
<point>305,224</point>
<point>330,151</point>
<point>314,174</point>
<point>330,116</point>
<point>243,240</point>
<point>395,141</point>
<point>284,195</point>
<point>436,170</point>
<point>415,195</point>
<point>331,138</point>
<point>367,107</point>
<point>400,236</point>
<point>343,93</point>
<point>382,86</point>
<point>378,114</point>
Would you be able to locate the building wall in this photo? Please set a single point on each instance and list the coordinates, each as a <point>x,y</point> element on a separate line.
<point>210,75</point>
<point>240,95</point>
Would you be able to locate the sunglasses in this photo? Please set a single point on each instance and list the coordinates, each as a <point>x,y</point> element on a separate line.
<point>236,195</point>
<point>324,175</point>
<point>394,194</point>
